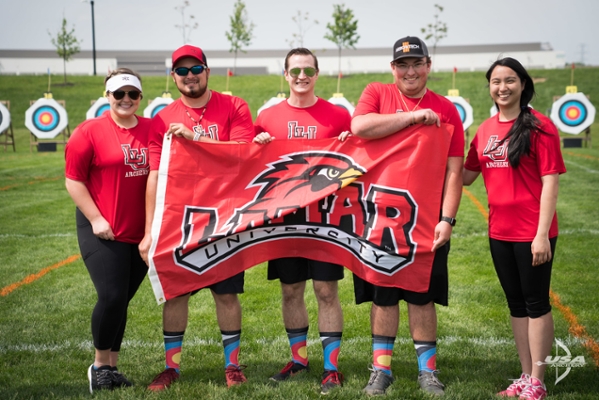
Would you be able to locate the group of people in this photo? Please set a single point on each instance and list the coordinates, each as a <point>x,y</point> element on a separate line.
<point>517,151</point>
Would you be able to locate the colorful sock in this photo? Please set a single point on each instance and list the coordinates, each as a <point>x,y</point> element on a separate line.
<point>231,347</point>
<point>173,342</point>
<point>331,342</point>
<point>298,339</point>
<point>382,351</point>
<point>427,355</point>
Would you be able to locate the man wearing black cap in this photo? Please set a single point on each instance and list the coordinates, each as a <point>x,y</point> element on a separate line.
<point>383,110</point>
<point>202,115</point>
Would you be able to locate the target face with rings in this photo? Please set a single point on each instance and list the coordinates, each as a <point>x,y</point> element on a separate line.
<point>464,110</point>
<point>4,118</point>
<point>343,103</point>
<point>99,107</point>
<point>156,105</point>
<point>573,113</point>
<point>46,118</point>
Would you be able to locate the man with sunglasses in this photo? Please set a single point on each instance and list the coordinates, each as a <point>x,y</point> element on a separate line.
<point>383,110</point>
<point>305,116</point>
<point>206,116</point>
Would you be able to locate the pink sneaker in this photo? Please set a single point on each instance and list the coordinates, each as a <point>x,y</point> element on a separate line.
<point>517,387</point>
<point>535,390</point>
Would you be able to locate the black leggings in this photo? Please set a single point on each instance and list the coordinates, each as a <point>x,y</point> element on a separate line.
<point>526,287</point>
<point>117,270</point>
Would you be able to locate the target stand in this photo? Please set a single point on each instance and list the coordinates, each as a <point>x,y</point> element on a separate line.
<point>8,137</point>
<point>47,118</point>
<point>573,113</point>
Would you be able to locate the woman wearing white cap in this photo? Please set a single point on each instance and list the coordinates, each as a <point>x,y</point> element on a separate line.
<point>106,171</point>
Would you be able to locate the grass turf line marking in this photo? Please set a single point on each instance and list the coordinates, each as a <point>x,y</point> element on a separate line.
<point>590,171</point>
<point>33,277</point>
<point>579,331</point>
<point>37,180</point>
<point>570,153</point>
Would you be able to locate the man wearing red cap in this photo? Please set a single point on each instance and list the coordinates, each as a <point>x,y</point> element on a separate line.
<point>202,115</point>
<point>383,110</point>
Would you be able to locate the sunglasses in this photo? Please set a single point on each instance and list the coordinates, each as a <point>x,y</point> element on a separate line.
<point>120,94</point>
<point>295,72</point>
<point>196,70</point>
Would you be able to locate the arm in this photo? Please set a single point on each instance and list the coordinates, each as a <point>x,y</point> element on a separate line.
<point>263,138</point>
<point>469,176</point>
<point>376,126</point>
<point>146,242</point>
<point>452,193</point>
<point>83,200</point>
<point>541,249</point>
<point>179,129</point>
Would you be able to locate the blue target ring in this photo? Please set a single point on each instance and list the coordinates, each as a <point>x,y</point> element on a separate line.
<point>102,109</point>
<point>46,118</point>
<point>461,111</point>
<point>572,113</point>
<point>157,109</point>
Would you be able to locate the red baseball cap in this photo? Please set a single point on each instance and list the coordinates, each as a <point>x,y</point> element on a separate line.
<point>189,51</point>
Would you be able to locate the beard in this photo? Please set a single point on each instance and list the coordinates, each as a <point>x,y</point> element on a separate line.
<point>192,92</point>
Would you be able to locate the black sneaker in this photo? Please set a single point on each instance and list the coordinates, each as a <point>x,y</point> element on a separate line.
<point>292,368</point>
<point>101,378</point>
<point>119,379</point>
<point>330,380</point>
<point>378,383</point>
<point>429,382</point>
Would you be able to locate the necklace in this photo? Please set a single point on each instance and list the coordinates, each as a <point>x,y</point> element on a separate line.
<point>197,123</point>
<point>404,102</point>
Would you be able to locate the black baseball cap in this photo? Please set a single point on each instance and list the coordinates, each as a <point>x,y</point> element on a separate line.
<point>409,46</point>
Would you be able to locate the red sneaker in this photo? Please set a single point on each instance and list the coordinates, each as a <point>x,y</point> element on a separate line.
<point>163,380</point>
<point>234,375</point>
<point>330,380</point>
<point>517,387</point>
<point>535,390</point>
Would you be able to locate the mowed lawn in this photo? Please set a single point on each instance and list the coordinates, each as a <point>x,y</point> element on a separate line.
<point>46,296</point>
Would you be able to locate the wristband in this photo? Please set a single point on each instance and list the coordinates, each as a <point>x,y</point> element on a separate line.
<point>449,220</point>
<point>196,137</point>
<point>412,114</point>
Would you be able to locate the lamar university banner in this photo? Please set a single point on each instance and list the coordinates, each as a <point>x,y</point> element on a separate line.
<point>371,206</point>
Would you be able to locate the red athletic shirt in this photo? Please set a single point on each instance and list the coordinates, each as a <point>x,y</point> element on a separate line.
<point>514,194</point>
<point>384,98</point>
<point>320,121</point>
<point>227,118</point>
<point>113,163</point>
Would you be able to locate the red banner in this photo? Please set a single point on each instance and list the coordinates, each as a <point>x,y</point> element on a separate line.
<point>371,206</point>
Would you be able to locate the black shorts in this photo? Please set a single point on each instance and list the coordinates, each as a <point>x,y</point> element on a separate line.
<point>297,269</point>
<point>390,296</point>
<point>232,285</point>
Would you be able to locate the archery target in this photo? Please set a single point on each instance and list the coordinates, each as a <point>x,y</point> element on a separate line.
<point>46,118</point>
<point>464,109</point>
<point>342,102</point>
<point>99,107</point>
<point>4,118</point>
<point>273,101</point>
<point>573,113</point>
<point>156,105</point>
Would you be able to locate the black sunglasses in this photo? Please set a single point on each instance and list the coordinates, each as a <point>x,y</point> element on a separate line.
<point>309,71</point>
<point>120,94</point>
<point>196,70</point>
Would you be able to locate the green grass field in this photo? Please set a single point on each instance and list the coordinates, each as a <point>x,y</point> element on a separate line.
<point>45,339</point>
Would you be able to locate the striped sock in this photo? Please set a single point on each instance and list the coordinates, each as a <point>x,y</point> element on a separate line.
<point>231,346</point>
<point>331,342</point>
<point>382,351</point>
<point>427,355</point>
<point>298,339</point>
<point>173,342</point>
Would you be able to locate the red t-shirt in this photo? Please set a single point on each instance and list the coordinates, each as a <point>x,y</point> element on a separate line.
<point>113,163</point>
<point>384,98</point>
<point>514,194</point>
<point>227,118</point>
<point>319,121</point>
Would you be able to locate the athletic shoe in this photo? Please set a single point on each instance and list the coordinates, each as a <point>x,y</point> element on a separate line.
<point>119,380</point>
<point>100,379</point>
<point>234,375</point>
<point>291,369</point>
<point>163,380</point>
<point>429,382</point>
<point>378,382</point>
<point>534,391</point>
<point>330,380</point>
<point>517,387</point>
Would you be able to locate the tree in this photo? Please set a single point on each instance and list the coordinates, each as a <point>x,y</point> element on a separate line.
<point>67,45</point>
<point>303,23</point>
<point>436,30</point>
<point>343,32</point>
<point>186,28</point>
<point>241,30</point>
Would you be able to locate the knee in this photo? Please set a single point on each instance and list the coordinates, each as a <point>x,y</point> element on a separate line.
<point>538,309</point>
<point>326,292</point>
<point>226,300</point>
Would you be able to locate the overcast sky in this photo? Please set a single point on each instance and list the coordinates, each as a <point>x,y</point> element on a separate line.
<point>569,26</point>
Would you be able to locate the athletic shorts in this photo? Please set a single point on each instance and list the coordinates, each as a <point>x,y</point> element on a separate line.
<point>232,285</point>
<point>297,269</point>
<point>390,296</point>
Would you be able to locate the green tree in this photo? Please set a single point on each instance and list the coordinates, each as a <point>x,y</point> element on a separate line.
<point>67,45</point>
<point>342,32</point>
<point>303,23</point>
<point>241,30</point>
<point>186,27</point>
<point>436,30</point>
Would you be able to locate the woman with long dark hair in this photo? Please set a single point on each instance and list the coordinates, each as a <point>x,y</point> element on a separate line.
<point>518,153</point>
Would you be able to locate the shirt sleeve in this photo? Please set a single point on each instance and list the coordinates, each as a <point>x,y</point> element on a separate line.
<point>155,138</point>
<point>549,154</point>
<point>472,160</point>
<point>368,102</point>
<point>79,153</point>
<point>242,127</point>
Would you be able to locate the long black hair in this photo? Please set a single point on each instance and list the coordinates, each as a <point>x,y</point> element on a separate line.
<point>520,133</point>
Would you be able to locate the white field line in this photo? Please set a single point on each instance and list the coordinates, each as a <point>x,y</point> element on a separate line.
<point>19,236</point>
<point>589,170</point>
<point>87,345</point>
